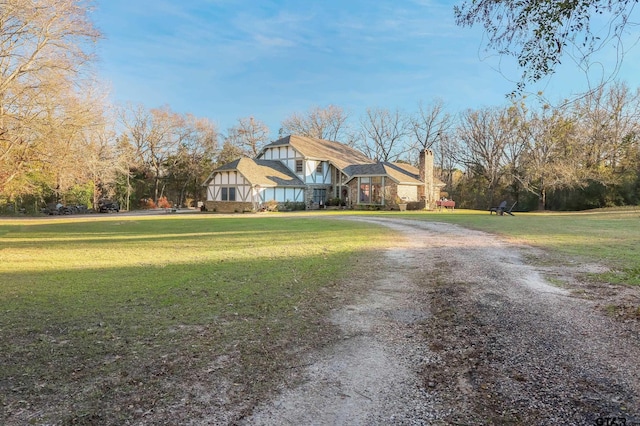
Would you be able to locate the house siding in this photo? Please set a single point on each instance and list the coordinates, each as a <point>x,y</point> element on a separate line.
<point>288,156</point>
<point>230,179</point>
<point>313,177</point>
<point>407,192</point>
<point>282,195</point>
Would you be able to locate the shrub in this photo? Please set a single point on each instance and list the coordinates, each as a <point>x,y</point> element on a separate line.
<point>270,206</point>
<point>291,205</point>
<point>147,203</point>
<point>163,203</point>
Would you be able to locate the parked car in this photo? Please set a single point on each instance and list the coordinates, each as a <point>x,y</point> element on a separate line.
<point>51,209</point>
<point>60,209</point>
<point>109,207</point>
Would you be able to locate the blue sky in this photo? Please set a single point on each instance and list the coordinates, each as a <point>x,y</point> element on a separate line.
<point>228,59</point>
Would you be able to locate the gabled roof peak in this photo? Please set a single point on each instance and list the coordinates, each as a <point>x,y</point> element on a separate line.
<point>265,173</point>
<point>341,155</point>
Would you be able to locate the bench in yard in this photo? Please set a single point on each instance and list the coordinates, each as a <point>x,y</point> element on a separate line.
<point>446,204</point>
<point>502,209</point>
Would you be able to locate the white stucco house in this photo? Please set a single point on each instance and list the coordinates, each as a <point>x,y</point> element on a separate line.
<point>312,171</point>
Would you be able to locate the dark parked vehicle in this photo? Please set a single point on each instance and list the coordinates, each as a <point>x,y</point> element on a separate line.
<point>66,210</point>
<point>109,207</point>
<point>52,209</point>
<point>59,209</point>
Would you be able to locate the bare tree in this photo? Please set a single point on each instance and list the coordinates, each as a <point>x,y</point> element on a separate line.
<point>384,134</point>
<point>44,47</point>
<point>174,149</point>
<point>430,123</point>
<point>550,161</point>
<point>102,161</point>
<point>156,136</point>
<point>194,158</point>
<point>73,135</point>
<point>250,135</point>
<point>428,127</point>
<point>228,153</point>
<point>485,136</point>
<point>514,121</point>
<point>323,123</point>
<point>446,153</point>
<point>608,122</point>
<point>127,162</point>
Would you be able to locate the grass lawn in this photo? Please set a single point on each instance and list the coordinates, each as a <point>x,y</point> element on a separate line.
<point>114,319</point>
<point>607,236</point>
<point>121,319</point>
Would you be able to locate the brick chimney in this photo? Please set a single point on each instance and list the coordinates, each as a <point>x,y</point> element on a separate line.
<point>426,175</point>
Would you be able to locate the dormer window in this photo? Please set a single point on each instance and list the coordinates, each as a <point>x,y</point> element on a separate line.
<point>298,166</point>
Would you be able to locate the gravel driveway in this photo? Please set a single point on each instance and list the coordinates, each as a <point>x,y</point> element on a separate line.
<point>459,328</point>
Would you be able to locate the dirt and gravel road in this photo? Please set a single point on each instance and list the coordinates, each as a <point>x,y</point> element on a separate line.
<point>460,327</point>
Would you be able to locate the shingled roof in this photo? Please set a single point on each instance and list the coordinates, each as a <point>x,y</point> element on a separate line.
<point>339,154</point>
<point>399,172</point>
<point>403,173</point>
<point>266,173</point>
<point>269,173</point>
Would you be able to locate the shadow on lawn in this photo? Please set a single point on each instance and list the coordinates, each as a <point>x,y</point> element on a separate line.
<point>172,343</point>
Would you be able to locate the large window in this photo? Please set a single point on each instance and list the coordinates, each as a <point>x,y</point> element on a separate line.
<point>365,191</point>
<point>371,190</point>
<point>376,189</point>
<point>319,195</point>
<point>228,193</point>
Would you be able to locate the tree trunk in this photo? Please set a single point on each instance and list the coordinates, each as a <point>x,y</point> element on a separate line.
<point>156,188</point>
<point>542,199</point>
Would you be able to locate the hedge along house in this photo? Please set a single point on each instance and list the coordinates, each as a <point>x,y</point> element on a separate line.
<point>308,170</point>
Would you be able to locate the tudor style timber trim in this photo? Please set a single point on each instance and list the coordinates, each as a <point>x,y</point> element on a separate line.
<point>310,170</point>
<point>231,179</point>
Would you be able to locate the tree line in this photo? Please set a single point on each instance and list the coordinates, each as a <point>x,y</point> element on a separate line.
<point>61,141</point>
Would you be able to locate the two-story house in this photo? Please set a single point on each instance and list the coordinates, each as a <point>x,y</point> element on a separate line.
<point>310,170</point>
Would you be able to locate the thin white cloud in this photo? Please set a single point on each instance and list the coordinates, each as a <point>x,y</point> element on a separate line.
<point>231,58</point>
<point>269,42</point>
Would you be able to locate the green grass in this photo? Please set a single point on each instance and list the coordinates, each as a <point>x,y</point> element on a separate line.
<point>109,318</point>
<point>101,311</point>
<point>608,236</point>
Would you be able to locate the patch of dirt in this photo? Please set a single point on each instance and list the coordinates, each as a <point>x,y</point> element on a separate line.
<point>369,376</point>
<point>457,327</point>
